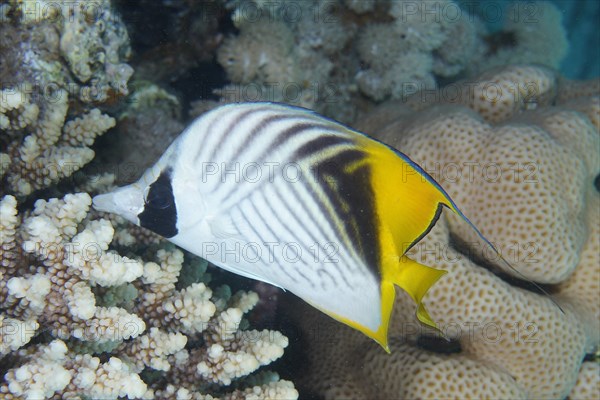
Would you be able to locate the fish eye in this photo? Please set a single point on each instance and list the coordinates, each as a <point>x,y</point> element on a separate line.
<point>159,196</point>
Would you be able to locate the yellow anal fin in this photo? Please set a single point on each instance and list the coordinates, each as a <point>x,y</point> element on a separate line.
<point>416,279</point>
<point>379,335</point>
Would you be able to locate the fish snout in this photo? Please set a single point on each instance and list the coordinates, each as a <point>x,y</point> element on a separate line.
<point>127,201</point>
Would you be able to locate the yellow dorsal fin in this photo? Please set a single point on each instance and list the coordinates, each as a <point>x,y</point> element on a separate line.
<point>408,200</point>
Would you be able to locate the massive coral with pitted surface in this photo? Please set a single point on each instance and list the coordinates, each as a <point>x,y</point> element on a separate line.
<point>505,341</point>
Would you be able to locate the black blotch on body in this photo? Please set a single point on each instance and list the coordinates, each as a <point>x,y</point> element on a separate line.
<point>160,212</point>
<point>354,201</point>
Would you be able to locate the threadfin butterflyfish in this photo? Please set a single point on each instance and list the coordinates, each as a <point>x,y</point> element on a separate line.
<point>286,196</point>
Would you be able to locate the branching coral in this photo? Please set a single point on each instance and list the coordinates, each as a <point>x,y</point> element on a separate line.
<point>57,57</point>
<point>51,369</point>
<point>506,341</point>
<point>401,54</point>
<point>43,149</point>
<point>54,290</point>
<point>61,283</point>
<point>285,55</point>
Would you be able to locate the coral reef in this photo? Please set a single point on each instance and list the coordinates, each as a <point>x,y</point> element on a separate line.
<point>81,47</point>
<point>422,40</point>
<point>89,306</point>
<point>93,307</point>
<point>43,148</point>
<point>58,60</point>
<point>588,382</point>
<point>505,341</point>
<point>285,56</point>
<point>334,54</point>
<point>62,285</point>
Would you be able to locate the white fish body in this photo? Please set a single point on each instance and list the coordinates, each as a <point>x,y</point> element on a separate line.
<point>285,196</point>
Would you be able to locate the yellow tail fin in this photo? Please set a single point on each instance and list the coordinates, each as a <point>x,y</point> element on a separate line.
<point>416,279</point>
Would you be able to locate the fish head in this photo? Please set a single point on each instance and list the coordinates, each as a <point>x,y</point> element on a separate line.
<point>150,202</point>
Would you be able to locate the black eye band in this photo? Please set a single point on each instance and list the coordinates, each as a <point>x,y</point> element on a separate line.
<point>160,212</point>
<point>160,196</point>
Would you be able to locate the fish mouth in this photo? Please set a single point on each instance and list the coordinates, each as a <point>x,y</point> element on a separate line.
<point>127,201</point>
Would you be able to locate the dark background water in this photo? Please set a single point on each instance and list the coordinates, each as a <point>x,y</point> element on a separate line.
<point>581,19</point>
